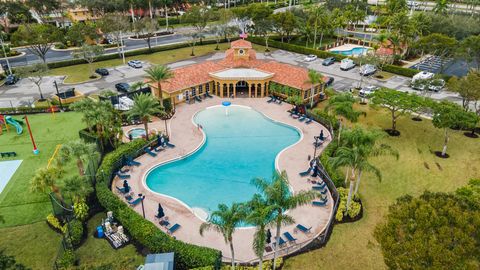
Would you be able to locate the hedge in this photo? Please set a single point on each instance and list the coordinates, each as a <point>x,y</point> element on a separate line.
<point>187,256</point>
<point>336,177</point>
<point>407,72</point>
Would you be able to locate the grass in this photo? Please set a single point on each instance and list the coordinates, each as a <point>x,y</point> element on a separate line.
<point>352,246</point>
<point>81,73</point>
<point>18,205</point>
<point>98,252</point>
<point>301,41</point>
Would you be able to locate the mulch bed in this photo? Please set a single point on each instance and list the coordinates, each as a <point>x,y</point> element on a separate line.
<point>439,154</point>
<point>393,133</point>
<point>417,119</point>
<point>470,135</point>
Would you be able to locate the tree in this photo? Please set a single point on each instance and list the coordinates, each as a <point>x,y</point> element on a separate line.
<point>217,31</point>
<point>468,87</point>
<point>198,17</point>
<point>147,28</point>
<point>38,38</point>
<point>79,188</point>
<point>78,33</point>
<point>436,44</point>
<point>447,115</point>
<point>260,215</point>
<point>263,27</point>
<point>314,78</point>
<point>89,53</point>
<point>284,24</point>
<point>395,6</point>
<point>113,25</point>
<point>158,74</point>
<point>35,73</point>
<point>225,220</point>
<point>14,12</point>
<point>342,105</point>
<point>469,49</point>
<point>193,38</point>
<point>46,179</point>
<point>144,107</point>
<point>441,6</point>
<point>397,102</point>
<point>43,7</point>
<point>434,231</point>
<point>470,194</point>
<point>78,150</point>
<point>279,198</point>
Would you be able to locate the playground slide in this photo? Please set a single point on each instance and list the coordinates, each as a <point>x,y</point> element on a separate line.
<point>14,123</point>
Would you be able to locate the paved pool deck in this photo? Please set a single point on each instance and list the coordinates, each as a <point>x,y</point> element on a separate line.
<point>188,137</point>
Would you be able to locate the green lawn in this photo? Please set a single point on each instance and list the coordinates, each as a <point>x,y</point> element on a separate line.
<point>352,246</point>
<point>18,205</point>
<point>96,252</point>
<point>80,73</point>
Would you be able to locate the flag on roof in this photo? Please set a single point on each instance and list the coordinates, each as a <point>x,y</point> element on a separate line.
<point>243,35</point>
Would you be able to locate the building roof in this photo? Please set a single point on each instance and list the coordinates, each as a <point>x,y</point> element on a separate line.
<point>241,74</point>
<point>241,44</point>
<point>287,74</point>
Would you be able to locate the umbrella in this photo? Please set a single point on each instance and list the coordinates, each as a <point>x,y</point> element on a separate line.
<point>269,236</point>
<point>160,213</point>
<point>159,140</point>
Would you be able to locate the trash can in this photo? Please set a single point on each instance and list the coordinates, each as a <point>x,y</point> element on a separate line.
<point>100,232</point>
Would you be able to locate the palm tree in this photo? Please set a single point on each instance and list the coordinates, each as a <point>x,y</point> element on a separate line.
<point>158,74</point>
<point>278,196</point>
<point>77,187</point>
<point>144,107</point>
<point>313,78</point>
<point>260,215</point>
<point>350,158</point>
<point>225,220</point>
<point>79,150</point>
<point>45,179</point>
<point>342,105</point>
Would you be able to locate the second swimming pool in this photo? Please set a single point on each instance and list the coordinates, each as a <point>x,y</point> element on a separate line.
<point>239,147</point>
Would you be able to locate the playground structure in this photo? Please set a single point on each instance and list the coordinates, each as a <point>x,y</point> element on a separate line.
<point>6,120</point>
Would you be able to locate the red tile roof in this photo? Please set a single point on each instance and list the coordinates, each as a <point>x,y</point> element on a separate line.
<point>287,74</point>
<point>240,43</point>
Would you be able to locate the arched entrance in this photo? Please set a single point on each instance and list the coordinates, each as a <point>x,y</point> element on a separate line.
<point>241,89</point>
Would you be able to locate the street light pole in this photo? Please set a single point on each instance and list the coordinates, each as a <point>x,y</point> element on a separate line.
<point>5,56</point>
<point>58,94</point>
<point>143,207</point>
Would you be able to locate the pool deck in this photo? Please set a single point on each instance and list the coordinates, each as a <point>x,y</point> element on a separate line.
<point>187,137</point>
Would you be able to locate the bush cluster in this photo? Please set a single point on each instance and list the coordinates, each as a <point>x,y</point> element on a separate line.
<point>354,208</point>
<point>75,233</point>
<point>67,260</point>
<point>335,176</point>
<point>187,256</point>
<point>55,223</point>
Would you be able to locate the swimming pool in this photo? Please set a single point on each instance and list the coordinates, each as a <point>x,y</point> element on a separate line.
<point>353,51</point>
<point>238,147</point>
<point>136,133</point>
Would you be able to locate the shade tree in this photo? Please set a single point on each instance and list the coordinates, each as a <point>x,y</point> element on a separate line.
<point>38,38</point>
<point>397,102</point>
<point>35,73</point>
<point>89,53</point>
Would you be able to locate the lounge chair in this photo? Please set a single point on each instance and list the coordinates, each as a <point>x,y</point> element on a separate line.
<point>122,170</point>
<point>309,120</point>
<point>289,237</point>
<point>319,187</point>
<point>131,162</point>
<point>197,98</point>
<point>281,242</point>
<point>302,118</point>
<point>135,202</point>
<point>208,94</point>
<point>121,190</point>
<point>303,228</point>
<point>271,99</point>
<point>174,228</point>
<point>318,144</point>
<point>307,172</point>
<point>319,203</point>
<point>148,151</point>
<point>324,191</point>
<point>128,197</point>
<point>293,112</point>
<point>279,101</point>
<point>167,143</point>
<point>122,176</point>
<point>159,148</point>
<point>163,222</point>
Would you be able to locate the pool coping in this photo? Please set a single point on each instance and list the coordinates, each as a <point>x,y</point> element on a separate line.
<point>202,143</point>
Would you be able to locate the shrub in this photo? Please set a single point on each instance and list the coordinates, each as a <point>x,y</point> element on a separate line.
<point>267,265</point>
<point>80,210</point>
<point>354,208</point>
<point>187,256</point>
<point>75,233</point>
<point>335,176</point>
<point>55,223</point>
<point>67,260</point>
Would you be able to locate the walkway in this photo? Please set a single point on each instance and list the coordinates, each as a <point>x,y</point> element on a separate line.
<point>186,136</point>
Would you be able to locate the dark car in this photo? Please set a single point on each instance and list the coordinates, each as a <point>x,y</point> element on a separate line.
<point>329,81</point>
<point>328,61</point>
<point>11,79</point>
<point>102,71</point>
<point>122,87</point>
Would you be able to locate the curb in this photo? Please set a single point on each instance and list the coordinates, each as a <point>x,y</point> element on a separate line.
<point>132,37</point>
<point>82,82</point>
<point>16,56</point>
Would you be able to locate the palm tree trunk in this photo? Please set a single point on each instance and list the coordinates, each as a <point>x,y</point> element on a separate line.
<point>321,39</point>
<point>160,95</point>
<point>233,254</point>
<point>350,191</point>
<point>358,182</point>
<point>277,240</point>
<point>346,175</point>
<point>131,13</point>
<point>444,151</point>
<point>145,124</point>
<point>166,17</point>
<point>81,170</point>
<point>150,8</point>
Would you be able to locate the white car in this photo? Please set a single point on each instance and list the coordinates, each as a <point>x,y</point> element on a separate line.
<point>310,58</point>
<point>347,64</point>
<point>135,63</point>
<point>367,70</point>
<point>367,90</point>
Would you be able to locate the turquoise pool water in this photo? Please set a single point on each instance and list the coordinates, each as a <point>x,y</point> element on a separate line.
<point>238,147</point>
<point>354,51</point>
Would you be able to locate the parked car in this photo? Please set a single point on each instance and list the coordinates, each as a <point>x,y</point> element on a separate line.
<point>328,61</point>
<point>367,70</point>
<point>135,63</point>
<point>347,64</point>
<point>436,85</point>
<point>310,58</point>
<point>122,87</point>
<point>329,81</point>
<point>367,90</point>
<point>102,71</point>
<point>11,79</point>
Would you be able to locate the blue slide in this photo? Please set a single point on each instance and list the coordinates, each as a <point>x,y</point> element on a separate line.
<point>14,123</point>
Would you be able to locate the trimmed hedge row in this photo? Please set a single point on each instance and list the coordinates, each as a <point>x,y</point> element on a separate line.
<point>407,72</point>
<point>104,57</point>
<point>336,177</point>
<point>187,256</point>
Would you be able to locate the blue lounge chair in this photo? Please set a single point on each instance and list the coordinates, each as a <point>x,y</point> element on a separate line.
<point>319,203</point>
<point>307,172</point>
<point>122,176</point>
<point>281,242</point>
<point>197,98</point>
<point>135,202</point>
<point>121,190</point>
<point>174,228</point>
<point>303,228</point>
<point>309,120</point>
<point>279,101</point>
<point>271,99</point>
<point>319,187</point>
<point>318,144</point>
<point>324,191</point>
<point>289,237</point>
<point>148,151</point>
<point>167,143</point>
<point>131,162</point>
<point>292,112</point>
<point>302,118</point>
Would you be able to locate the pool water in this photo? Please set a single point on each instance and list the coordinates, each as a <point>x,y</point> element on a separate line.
<point>137,133</point>
<point>354,51</point>
<point>238,148</point>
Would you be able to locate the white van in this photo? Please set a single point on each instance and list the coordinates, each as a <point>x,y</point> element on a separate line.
<point>424,75</point>
<point>347,64</point>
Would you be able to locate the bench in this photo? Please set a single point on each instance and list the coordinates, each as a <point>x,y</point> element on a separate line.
<point>8,154</point>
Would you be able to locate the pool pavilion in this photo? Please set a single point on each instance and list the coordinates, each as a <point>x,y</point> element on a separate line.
<point>238,74</point>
